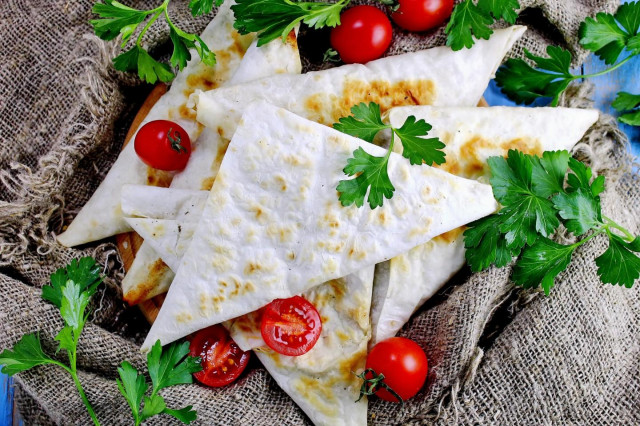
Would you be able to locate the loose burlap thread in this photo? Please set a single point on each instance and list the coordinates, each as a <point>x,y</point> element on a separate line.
<point>497,355</point>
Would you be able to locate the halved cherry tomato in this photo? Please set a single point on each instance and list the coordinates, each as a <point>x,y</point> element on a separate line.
<point>291,326</point>
<point>422,15</point>
<point>404,365</point>
<point>222,360</point>
<point>163,145</point>
<point>363,35</point>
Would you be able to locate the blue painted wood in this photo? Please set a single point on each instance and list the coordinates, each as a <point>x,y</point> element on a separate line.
<point>6,400</point>
<point>626,78</point>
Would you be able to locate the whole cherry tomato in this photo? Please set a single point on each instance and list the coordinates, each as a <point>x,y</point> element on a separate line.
<point>163,145</point>
<point>403,364</point>
<point>422,15</point>
<point>222,360</point>
<point>363,35</point>
<point>291,326</point>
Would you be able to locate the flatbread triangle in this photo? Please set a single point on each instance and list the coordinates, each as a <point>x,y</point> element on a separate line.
<point>101,216</point>
<point>471,135</point>
<point>266,235</point>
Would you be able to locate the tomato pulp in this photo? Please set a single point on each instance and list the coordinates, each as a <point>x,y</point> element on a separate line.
<point>291,326</point>
<point>221,358</point>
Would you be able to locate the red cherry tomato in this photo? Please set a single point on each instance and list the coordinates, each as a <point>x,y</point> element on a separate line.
<point>291,326</point>
<point>163,145</point>
<point>422,15</point>
<point>222,360</point>
<point>404,365</point>
<point>363,35</point>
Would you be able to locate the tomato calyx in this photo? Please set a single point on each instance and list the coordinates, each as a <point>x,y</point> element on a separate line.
<point>176,141</point>
<point>391,3</point>
<point>331,55</point>
<point>372,382</point>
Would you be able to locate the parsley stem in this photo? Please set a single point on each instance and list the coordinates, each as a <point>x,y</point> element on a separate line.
<point>611,224</point>
<point>84,398</point>
<point>608,70</point>
<point>158,11</point>
<point>584,240</point>
<point>393,134</point>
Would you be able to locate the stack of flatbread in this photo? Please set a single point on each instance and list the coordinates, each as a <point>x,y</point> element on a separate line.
<point>255,216</point>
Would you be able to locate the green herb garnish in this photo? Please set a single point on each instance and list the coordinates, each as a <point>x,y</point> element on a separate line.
<point>469,19</point>
<point>607,36</point>
<point>70,291</point>
<point>166,368</point>
<point>276,18</point>
<point>536,199</point>
<point>117,19</point>
<point>371,171</point>
<point>629,103</point>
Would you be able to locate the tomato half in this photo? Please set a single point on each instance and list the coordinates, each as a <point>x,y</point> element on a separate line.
<point>163,145</point>
<point>363,35</point>
<point>291,326</point>
<point>422,15</point>
<point>222,360</point>
<point>404,365</point>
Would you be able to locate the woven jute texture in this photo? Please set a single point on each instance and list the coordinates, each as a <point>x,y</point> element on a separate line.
<point>497,355</point>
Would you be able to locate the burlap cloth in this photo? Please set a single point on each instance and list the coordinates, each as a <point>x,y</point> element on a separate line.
<point>497,356</point>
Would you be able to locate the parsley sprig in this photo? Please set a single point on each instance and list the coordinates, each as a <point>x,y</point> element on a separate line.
<point>371,171</point>
<point>536,199</point>
<point>631,104</point>
<point>70,291</point>
<point>469,19</point>
<point>166,368</point>
<point>117,19</point>
<point>608,36</point>
<point>276,18</point>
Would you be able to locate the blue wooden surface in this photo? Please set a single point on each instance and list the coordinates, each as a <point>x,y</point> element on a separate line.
<point>6,401</point>
<point>626,78</point>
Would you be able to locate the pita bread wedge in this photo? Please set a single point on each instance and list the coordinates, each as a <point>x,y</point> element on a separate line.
<point>472,135</point>
<point>437,76</point>
<point>323,381</point>
<point>161,203</point>
<point>101,217</point>
<point>149,276</point>
<point>266,235</point>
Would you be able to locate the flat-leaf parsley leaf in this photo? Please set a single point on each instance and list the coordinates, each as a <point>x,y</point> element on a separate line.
<point>276,18</point>
<point>536,199</point>
<point>371,171</point>
<point>469,20</point>
<point>114,18</point>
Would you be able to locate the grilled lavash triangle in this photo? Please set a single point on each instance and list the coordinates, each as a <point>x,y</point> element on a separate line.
<point>437,76</point>
<point>101,216</point>
<point>471,135</point>
<point>148,275</point>
<point>323,381</point>
<point>273,226</point>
